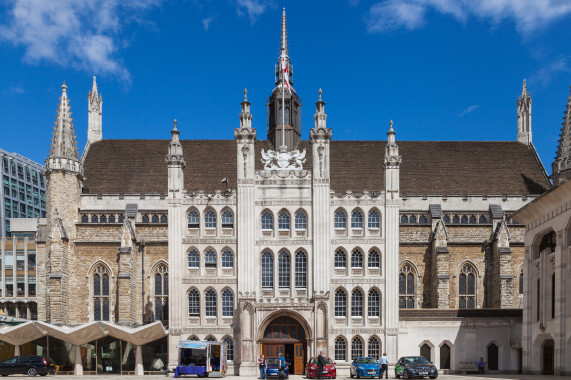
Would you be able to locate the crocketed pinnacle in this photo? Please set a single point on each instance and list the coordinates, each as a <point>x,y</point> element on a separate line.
<point>64,143</point>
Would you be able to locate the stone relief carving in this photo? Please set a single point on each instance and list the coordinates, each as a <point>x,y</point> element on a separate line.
<point>282,159</point>
<point>320,150</point>
<point>245,150</point>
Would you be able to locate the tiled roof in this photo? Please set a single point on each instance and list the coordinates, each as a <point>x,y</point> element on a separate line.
<point>428,167</point>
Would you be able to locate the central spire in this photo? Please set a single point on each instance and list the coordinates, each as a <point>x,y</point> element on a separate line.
<point>283,45</point>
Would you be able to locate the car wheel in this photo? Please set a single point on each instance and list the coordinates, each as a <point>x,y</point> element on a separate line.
<point>433,377</point>
<point>32,371</point>
<point>4,374</point>
<point>351,373</point>
<point>43,374</point>
<point>358,376</point>
<point>405,375</point>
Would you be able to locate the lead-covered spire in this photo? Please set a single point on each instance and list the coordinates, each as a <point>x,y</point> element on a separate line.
<point>283,45</point>
<point>63,150</point>
<point>561,167</point>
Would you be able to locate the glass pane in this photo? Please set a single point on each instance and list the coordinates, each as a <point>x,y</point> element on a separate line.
<point>409,284</point>
<point>462,284</point>
<point>105,309</point>
<point>158,284</point>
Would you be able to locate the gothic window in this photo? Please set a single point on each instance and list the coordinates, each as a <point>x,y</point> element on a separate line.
<point>374,348</point>
<point>210,219</point>
<point>210,259</point>
<point>340,349</point>
<point>193,259</point>
<point>194,337</point>
<point>283,270</point>
<point>84,218</point>
<point>422,219</point>
<point>521,282</point>
<point>210,338</point>
<point>93,218</point>
<point>145,218</point>
<point>374,261</point>
<point>300,220</point>
<point>103,218</point>
<point>340,259</point>
<point>357,259</point>
<point>210,303</point>
<point>227,259</point>
<point>155,218</point>
<point>101,299</point>
<point>412,219</point>
<point>193,303</point>
<point>446,219</point>
<point>340,219</point>
<point>300,269</point>
<point>472,219</point>
<point>229,348</point>
<point>121,218</point>
<point>482,219</point>
<point>267,221</point>
<point>374,303</point>
<point>467,288</point>
<point>340,303</point>
<point>356,219</point>
<point>227,303</point>
<point>227,219</point>
<point>553,295</point>
<point>374,220</point>
<point>162,294</point>
<point>164,219</point>
<point>464,219</point>
<point>406,287</point>
<point>356,348</point>
<point>267,270</point>
<point>283,221</point>
<point>455,219</point>
<point>111,218</point>
<point>193,219</point>
<point>357,303</point>
<point>404,219</point>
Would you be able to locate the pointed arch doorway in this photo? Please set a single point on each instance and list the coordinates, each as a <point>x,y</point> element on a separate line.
<point>286,335</point>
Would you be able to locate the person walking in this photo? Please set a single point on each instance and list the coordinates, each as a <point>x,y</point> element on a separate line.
<point>481,365</point>
<point>262,365</point>
<point>384,361</point>
<point>281,368</point>
<point>320,364</point>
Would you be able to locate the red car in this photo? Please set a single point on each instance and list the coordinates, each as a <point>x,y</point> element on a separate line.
<point>328,371</point>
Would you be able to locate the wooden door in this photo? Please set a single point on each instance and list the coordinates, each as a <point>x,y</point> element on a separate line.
<point>298,358</point>
<point>273,350</point>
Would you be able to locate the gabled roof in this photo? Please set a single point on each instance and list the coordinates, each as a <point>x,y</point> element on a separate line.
<point>428,167</point>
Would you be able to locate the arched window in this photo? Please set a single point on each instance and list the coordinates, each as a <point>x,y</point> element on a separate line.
<point>340,303</point>
<point>357,259</point>
<point>193,259</point>
<point>425,351</point>
<point>210,259</point>
<point>227,219</point>
<point>374,260</point>
<point>300,270</point>
<point>229,348</point>
<point>412,219</point>
<point>357,303</point>
<point>193,303</point>
<point>472,219</point>
<point>521,282</point>
<point>356,348</point>
<point>193,219</point>
<point>356,219</point>
<point>446,219</point>
<point>210,303</point>
<point>155,218</point>
<point>162,294</point>
<point>101,297</point>
<point>194,337</point>
<point>210,219</point>
<point>300,220</point>
<point>445,356</point>
<point>467,288</point>
<point>374,220</point>
<point>374,303</point>
<point>482,219</point>
<point>103,218</point>
<point>340,219</point>
<point>267,270</point>
<point>227,259</point>
<point>283,270</point>
<point>210,338</point>
<point>340,259</point>
<point>267,221</point>
<point>455,219</point>
<point>340,349</point>
<point>406,287</point>
<point>374,348</point>
<point>422,219</point>
<point>227,303</point>
<point>464,219</point>
<point>283,221</point>
<point>145,218</point>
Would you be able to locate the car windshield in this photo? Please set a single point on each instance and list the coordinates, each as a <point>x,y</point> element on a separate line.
<point>272,361</point>
<point>366,361</point>
<point>328,361</point>
<point>416,360</point>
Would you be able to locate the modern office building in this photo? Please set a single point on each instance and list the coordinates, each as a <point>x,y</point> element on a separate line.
<point>23,190</point>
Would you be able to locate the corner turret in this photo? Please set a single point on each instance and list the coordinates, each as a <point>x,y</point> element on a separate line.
<point>561,168</point>
<point>176,163</point>
<point>524,116</point>
<point>95,112</point>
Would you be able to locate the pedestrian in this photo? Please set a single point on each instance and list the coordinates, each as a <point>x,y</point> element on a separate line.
<point>481,365</point>
<point>320,363</point>
<point>384,361</point>
<point>262,365</point>
<point>281,368</point>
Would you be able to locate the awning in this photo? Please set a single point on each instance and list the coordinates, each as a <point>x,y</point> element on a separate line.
<point>192,344</point>
<point>76,335</point>
<point>137,336</point>
<point>21,334</point>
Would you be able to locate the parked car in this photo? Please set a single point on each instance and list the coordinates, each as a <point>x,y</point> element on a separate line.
<point>328,371</point>
<point>272,368</point>
<point>31,365</point>
<point>415,366</point>
<point>365,367</point>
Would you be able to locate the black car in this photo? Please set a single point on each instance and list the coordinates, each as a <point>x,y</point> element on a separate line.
<point>31,364</point>
<point>415,366</point>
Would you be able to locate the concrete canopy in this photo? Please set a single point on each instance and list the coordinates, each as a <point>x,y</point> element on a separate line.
<point>77,335</point>
<point>137,336</point>
<point>21,334</point>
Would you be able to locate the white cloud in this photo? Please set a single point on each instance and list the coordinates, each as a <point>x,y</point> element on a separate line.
<point>469,109</point>
<point>83,34</point>
<point>544,75</point>
<point>527,15</point>
<point>13,90</point>
<point>206,22</point>
<point>254,8</point>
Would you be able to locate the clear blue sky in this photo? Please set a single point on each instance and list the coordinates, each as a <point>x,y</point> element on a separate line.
<point>441,69</point>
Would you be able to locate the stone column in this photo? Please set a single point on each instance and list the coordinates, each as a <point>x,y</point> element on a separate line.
<point>440,273</point>
<point>78,368</point>
<point>139,370</point>
<point>17,350</point>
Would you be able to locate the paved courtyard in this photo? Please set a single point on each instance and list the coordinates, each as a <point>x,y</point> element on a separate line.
<point>293,377</point>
